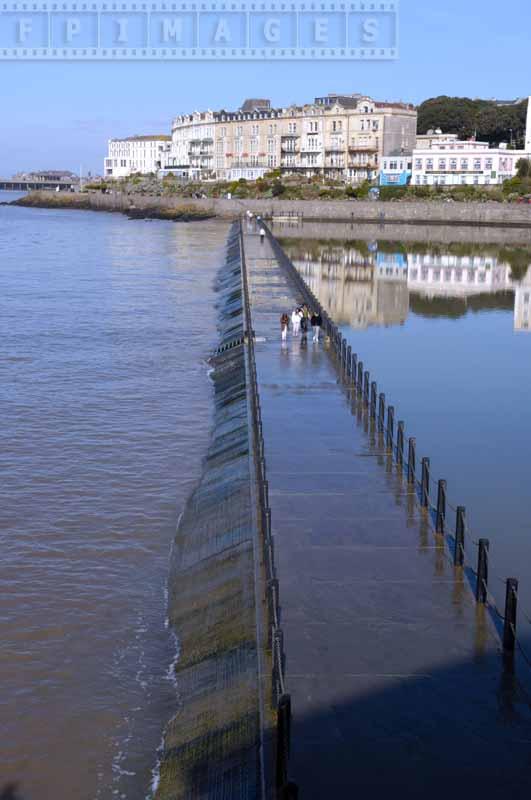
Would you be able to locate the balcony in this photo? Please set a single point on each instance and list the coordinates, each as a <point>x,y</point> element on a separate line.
<point>363,148</point>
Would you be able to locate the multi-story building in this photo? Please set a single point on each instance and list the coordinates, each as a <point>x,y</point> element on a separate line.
<point>143,154</point>
<point>453,162</point>
<point>339,136</point>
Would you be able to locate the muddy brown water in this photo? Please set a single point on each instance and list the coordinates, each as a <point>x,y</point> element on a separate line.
<point>105,328</point>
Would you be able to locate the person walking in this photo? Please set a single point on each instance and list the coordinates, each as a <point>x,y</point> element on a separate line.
<point>296,321</point>
<point>284,325</point>
<point>262,235</point>
<point>316,322</point>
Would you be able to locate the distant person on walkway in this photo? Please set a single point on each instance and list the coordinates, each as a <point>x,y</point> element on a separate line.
<point>304,324</point>
<point>316,322</point>
<point>296,321</point>
<point>262,235</point>
<point>284,325</point>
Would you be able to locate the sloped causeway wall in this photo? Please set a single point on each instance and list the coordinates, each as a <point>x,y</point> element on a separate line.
<point>212,744</point>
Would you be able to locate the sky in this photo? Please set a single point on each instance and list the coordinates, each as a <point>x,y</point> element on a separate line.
<point>59,115</point>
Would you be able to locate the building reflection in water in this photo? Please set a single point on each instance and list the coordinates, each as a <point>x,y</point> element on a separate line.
<point>366,283</point>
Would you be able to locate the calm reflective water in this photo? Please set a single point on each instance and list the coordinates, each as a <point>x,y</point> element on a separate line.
<point>445,330</point>
<point>105,325</point>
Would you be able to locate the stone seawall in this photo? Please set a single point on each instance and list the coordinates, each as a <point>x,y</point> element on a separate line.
<point>407,212</point>
<point>212,745</point>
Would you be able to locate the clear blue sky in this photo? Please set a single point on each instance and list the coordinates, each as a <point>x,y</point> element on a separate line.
<point>60,115</point>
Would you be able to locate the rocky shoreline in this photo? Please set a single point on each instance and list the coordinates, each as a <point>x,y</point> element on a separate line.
<point>187,212</point>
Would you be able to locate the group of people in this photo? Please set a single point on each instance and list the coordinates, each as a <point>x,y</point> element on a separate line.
<point>301,320</point>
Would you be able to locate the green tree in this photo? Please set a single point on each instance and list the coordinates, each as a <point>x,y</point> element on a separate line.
<point>523,166</point>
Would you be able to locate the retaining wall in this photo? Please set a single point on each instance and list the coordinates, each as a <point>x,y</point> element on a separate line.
<point>212,745</point>
<point>405,212</point>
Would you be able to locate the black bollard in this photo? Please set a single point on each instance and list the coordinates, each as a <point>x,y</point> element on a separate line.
<point>290,791</point>
<point>354,367</point>
<point>400,443</point>
<point>411,460</point>
<point>459,551</point>
<point>483,571</point>
<point>373,400</point>
<point>366,378</point>
<point>381,413</point>
<point>390,427</point>
<point>283,740</point>
<point>425,483</point>
<point>441,507</point>
<point>360,377</point>
<point>349,360</point>
<point>509,627</point>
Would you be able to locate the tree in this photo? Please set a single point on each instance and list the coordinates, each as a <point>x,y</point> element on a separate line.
<point>465,117</point>
<point>523,166</point>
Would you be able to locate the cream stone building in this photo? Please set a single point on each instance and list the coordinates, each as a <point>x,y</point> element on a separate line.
<point>338,136</point>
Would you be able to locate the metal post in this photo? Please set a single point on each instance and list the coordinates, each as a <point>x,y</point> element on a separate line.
<point>441,507</point>
<point>265,493</point>
<point>381,413</point>
<point>290,791</point>
<point>354,367</point>
<point>360,377</point>
<point>411,460</point>
<point>373,400</point>
<point>283,740</point>
<point>425,483</point>
<point>459,551</point>
<point>390,427</point>
<point>483,571</point>
<point>511,602</point>
<point>366,378</point>
<point>348,365</point>
<point>400,443</point>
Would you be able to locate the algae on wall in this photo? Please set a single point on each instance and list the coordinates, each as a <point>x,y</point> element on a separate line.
<point>211,746</point>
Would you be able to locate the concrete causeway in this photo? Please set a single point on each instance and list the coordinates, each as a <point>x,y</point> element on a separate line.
<point>396,676</point>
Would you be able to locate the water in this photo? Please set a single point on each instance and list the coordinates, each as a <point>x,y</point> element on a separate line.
<point>445,330</point>
<point>105,325</point>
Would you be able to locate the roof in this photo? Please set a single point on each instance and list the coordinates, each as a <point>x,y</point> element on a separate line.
<point>155,137</point>
<point>256,104</point>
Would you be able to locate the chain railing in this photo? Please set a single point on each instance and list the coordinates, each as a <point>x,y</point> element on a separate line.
<point>280,699</point>
<point>392,442</point>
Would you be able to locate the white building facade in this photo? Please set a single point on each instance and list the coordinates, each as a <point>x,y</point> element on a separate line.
<point>136,154</point>
<point>464,163</point>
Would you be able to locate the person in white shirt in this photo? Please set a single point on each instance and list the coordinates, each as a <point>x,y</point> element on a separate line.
<point>296,321</point>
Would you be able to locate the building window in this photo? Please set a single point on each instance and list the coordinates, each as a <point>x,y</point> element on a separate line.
<point>418,163</point>
<point>477,163</point>
<point>453,163</point>
<point>464,163</point>
<point>442,163</point>
<point>429,164</point>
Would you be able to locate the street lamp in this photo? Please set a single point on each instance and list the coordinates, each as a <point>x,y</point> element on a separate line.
<point>511,139</point>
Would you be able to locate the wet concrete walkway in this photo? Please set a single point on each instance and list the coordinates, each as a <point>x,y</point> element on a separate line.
<point>396,676</point>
